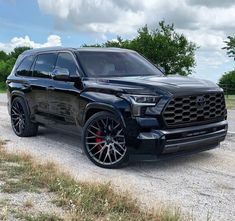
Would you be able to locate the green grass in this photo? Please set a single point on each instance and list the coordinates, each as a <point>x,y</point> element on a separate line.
<point>80,200</point>
<point>40,217</point>
<point>2,87</point>
<point>230,101</point>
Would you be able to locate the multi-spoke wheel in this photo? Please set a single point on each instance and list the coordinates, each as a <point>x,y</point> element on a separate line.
<point>104,140</point>
<point>20,119</point>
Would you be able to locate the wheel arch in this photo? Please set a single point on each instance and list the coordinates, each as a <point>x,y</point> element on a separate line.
<point>20,94</point>
<point>94,108</point>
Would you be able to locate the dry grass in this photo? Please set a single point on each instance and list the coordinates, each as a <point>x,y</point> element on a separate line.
<point>80,200</point>
<point>230,101</point>
<point>28,204</point>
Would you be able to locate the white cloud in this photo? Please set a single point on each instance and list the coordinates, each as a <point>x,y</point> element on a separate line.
<point>205,39</point>
<point>215,60</point>
<point>84,14</point>
<point>52,40</point>
<point>212,3</point>
<point>103,16</point>
<point>205,22</point>
<point>214,19</point>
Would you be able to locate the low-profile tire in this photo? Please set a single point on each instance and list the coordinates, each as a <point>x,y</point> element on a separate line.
<point>20,119</point>
<point>104,140</point>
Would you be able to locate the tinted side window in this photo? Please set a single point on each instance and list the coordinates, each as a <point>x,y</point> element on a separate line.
<point>24,68</point>
<point>44,65</point>
<point>66,61</point>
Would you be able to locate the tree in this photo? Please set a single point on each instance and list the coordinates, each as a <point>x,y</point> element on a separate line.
<point>227,82</point>
<point>3,56</point>
<point>230,46</point>
<point>163,46</point>
<point>5,68</point>
<point>17,51</point>
<point>7,61</point>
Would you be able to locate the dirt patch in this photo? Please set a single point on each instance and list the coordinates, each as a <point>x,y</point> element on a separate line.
<point>16,206</point>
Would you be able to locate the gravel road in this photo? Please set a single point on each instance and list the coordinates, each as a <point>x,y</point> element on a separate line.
<point>202,184</point>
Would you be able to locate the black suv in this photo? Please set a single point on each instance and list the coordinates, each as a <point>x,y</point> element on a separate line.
<point>119,102</point>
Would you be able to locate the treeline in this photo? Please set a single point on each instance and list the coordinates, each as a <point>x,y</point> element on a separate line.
<point>7,62</point>
<point>227,81</point>
<point>163,46</point>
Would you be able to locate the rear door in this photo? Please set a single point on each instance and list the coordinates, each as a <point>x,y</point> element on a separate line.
<point>64,96</point>
<point>43,66</point>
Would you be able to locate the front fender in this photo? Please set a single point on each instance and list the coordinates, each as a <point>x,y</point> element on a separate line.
<point>105,102</point>
<point>103,107</point>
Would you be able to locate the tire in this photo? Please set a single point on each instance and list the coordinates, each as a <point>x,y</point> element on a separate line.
<point>104,140</point>
<point>20,119</point>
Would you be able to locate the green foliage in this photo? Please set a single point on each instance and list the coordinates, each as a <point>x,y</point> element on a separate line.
<point>2,87</point>
<point>6,67</point>
<point>227,82</point>
<point>230,46</point>
<point>7,62</point>
<point>163,46</point>
<point>17,51</point>
<point>92,45</point>
<point>3,56</point>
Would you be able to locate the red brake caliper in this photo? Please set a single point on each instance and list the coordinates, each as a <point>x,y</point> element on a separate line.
<point>97,140</point>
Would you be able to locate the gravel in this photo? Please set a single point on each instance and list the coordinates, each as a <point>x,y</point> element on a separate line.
<point>3,99</point>
<point>231,119</point>
<point>39,203</point>
<point>202,184</point>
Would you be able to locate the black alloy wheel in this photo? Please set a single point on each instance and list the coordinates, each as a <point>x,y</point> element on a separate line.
<point>20,119</point>
<point>104,140</point>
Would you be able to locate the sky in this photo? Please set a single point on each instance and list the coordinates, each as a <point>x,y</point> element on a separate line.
<point>42,23</point>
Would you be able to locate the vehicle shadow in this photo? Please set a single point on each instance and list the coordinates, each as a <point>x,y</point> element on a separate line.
<point>66,139</point>
<point>69,141</point>
<point>174,162</point>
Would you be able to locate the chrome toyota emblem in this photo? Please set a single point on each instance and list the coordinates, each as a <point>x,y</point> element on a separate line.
<point>201,101</point>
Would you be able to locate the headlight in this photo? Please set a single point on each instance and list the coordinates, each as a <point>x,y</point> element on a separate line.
<point>141,100</point>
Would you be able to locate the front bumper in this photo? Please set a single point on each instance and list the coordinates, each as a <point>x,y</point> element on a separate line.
<point>164,143</point>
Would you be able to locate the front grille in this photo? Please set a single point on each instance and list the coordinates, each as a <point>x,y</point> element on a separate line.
<point>194,109</point>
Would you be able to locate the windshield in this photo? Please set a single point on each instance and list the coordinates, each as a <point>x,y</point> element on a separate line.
<point>116,64</point>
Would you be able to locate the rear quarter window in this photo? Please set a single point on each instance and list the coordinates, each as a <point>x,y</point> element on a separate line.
<point>24,69</point>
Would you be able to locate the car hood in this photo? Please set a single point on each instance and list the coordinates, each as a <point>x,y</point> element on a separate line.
<point>176,85</point>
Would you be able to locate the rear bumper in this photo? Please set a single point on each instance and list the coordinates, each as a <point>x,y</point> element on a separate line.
<point>164,143</point>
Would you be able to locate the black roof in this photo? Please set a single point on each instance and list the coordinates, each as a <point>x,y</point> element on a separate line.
<point>94,49</point>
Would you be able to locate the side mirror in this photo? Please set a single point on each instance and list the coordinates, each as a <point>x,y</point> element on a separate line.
<point>61,74</point>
